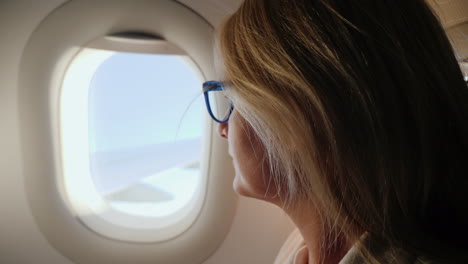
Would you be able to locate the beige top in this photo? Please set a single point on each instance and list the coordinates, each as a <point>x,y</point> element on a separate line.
<point>294,251</point>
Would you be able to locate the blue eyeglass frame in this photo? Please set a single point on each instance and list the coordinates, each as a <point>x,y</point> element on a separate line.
<point>215,86</point>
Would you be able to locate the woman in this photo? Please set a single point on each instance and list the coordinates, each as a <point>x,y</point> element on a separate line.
<point>352,117</point>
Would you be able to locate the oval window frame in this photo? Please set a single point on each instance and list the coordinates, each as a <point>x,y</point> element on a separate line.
<point>50,49</point>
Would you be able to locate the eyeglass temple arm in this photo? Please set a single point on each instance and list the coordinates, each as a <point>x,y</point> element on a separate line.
<point>213,86</point>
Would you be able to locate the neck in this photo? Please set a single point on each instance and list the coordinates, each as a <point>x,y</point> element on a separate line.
<point>307,219</point>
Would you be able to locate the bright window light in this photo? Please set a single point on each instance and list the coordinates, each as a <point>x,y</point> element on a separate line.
<point>132,128</point>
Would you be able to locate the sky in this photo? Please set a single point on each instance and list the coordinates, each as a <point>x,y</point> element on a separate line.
<point>141,106</point>
<point>141,99</point>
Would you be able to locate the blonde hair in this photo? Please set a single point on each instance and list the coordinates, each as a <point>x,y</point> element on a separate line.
<point>362,108</point>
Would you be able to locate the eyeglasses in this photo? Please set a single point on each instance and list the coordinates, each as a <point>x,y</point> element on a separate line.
<point>219,106</point>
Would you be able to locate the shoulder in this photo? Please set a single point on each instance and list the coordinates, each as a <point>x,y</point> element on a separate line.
<point>294,251</point>
<point>383,254</point>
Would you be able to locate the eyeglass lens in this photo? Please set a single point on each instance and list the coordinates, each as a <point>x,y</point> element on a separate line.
<point>220,105</point>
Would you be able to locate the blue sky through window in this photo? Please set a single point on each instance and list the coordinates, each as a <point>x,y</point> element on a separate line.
<point>140,99</point>
<point>146,116</point>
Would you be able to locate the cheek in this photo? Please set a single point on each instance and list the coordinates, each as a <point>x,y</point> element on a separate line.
<point>253,178</point>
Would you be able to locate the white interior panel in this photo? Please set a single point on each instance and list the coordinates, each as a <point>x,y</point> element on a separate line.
<point>21,240</point>
<point>213,10</point>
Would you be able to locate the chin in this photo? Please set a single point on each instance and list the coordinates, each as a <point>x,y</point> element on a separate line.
<point>242,188</point>
<point>239,187</point>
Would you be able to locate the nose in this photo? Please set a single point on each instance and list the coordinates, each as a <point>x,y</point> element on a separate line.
<point>223,130</point>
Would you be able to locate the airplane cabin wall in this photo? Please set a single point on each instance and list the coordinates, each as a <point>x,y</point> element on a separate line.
<point>21,240</point>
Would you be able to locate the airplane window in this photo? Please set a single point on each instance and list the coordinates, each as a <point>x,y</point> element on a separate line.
<point>132,129</point>
<point>121,153</point>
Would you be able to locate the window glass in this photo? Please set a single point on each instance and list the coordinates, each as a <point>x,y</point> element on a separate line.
<point>145,125</point>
